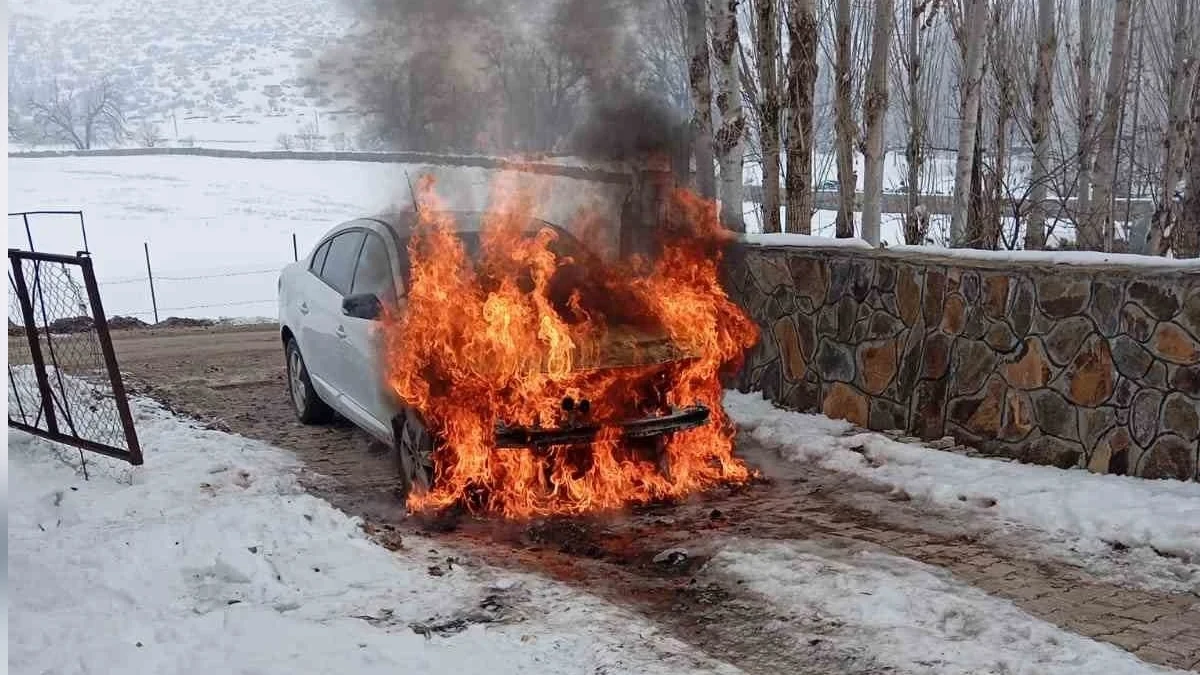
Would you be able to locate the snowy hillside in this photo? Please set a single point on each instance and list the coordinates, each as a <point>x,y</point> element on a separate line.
<point>212,72</point>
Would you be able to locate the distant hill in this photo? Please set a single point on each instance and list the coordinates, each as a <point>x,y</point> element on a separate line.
<point>231,73</point>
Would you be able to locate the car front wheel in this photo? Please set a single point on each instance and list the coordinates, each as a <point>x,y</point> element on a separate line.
<point>309,407</point>
<point>414,447</point>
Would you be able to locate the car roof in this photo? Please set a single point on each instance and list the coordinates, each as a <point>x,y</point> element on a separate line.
<point>402,223</point>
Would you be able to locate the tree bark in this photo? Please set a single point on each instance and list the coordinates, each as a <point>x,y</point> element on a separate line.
<point>914,152</point>
<point>844,128</point>
<point>1084,71</point>
<point>700,84</point>
<point>728,144</point>
<point>1186,235</point>
<point>802,82</point>
<point>1043,103</point>
<point>972,80</point>
<point>874,117</point>
<point>1183,65</point>
<point>767,48</point>
<point>1097,228</point>
<point>977,210</point>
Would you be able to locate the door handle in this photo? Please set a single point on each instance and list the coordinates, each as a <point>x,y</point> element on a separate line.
<point>304,308</point>
<point>341,332</point>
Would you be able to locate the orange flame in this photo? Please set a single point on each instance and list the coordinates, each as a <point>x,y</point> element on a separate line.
<point>505,335</point>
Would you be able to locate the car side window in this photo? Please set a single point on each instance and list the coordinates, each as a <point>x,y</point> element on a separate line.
<point>318,259</point>
<point>374,272</point>
<point>338,271</point>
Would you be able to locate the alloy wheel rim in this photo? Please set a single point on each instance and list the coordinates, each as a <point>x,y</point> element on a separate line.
<point>298,389</point>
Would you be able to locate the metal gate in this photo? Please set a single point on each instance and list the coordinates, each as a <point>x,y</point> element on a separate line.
<point>63,380</point>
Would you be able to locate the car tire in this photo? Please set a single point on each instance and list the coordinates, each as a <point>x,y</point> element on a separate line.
<point>309,407</point>
<point>414,451</point>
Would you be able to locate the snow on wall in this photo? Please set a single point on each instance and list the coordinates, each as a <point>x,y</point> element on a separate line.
<point>1092,365</point>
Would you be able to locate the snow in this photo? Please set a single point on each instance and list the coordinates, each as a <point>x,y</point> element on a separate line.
<point>208,218</point>
<point>894,612</point>
<point>1075,506</point>
<point>210,558</point>
<point>786,239</point>
<point>1052,257</point>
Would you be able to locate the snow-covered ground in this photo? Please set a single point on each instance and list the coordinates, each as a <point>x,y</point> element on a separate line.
<point>893,612</point>
<point>211,559</point>
<point>207,217</point>
<point>1073,513</point>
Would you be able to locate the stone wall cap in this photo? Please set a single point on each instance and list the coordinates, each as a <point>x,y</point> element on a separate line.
<point>804,240</point>
<point>1126,262</point>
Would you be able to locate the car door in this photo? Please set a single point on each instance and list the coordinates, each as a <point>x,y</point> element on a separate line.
<point>308,327</point>
<point>363,362</point>
<point>324,323</point>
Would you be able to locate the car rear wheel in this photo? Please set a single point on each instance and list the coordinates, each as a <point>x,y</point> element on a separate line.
<point>309,407</point>
<point>414,447</point>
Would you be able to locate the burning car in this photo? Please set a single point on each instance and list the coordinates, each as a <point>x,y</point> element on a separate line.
<point>514,370</point>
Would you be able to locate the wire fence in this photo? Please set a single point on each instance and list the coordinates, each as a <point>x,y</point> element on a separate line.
<point>153,300</point>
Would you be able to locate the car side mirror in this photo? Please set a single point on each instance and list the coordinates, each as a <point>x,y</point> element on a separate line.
<point>362,306</point>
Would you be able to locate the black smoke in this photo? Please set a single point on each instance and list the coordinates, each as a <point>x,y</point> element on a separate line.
<point>529,77</point>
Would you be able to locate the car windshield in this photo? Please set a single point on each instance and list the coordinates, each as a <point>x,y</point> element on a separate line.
<point>564,245</point>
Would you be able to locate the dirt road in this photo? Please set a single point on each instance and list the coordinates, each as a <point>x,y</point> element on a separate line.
<point>233,378</point>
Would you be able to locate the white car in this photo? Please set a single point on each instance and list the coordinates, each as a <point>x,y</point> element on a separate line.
<point>329,305</point>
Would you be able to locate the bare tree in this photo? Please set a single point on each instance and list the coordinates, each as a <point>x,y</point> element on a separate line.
<point>1043,103</point>
<point>1096,230</point>
<point>802,81</point>
<point>1086,117</point>
<point>1186,235</point>
<point>845,131</point>
<point>971,85</point>
<point>81,117</point>
<point>285,142</point>
<point>148,134</point>
<point>727,144</point>
<point>767,48</point>
<point>916,78</point>
<point>308,137</point>
<point>1183,68</point>
<point>700,81</point>
<point>874,113</point>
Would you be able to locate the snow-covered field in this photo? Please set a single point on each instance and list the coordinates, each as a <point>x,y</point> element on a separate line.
<point>206,217</point>
<point>211,559</point>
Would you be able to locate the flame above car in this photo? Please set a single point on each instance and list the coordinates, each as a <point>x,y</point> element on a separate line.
<point>520,334</point>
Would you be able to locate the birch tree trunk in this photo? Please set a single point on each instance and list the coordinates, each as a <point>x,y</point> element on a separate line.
<point>728,143</point>
<point>1186,235</point>
<point>914,153</point>
<point>1183,63</point>
<point>700,84</point>
<point>1043,103</point>
<point>972,80</point>
<point>1084,73</point>
<point>844,128</point>
<point>874,117</point>
<point>802,82</point>
<point>768,47</point>
<point>1097,229</point>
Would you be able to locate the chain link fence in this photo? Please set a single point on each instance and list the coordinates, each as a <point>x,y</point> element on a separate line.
<point>64,383</point>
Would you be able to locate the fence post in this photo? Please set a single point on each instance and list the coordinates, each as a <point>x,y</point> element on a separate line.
<point>31,334</point>
<point>295,249</point>
<point>150,277</point>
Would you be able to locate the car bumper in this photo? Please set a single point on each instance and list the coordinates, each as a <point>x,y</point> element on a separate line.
<point>680,419</point>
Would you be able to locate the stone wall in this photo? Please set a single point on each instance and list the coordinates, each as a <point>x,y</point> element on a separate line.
<point>1095,366</point>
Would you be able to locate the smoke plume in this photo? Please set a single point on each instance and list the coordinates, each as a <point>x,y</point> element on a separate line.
<point>528,77</point>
